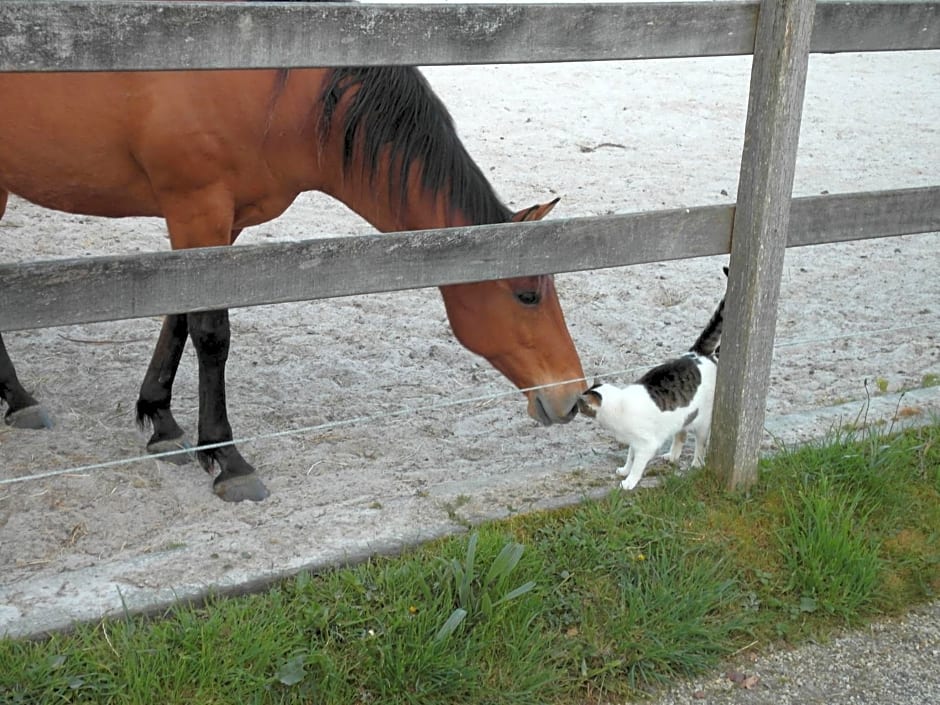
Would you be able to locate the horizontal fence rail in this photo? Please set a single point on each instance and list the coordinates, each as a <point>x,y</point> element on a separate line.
<point>62,292</point>
<point>68,35</point>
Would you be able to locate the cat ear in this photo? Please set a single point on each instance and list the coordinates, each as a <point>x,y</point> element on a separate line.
<point>598,381</point>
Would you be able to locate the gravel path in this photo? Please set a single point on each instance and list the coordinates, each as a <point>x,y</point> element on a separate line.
<point>893,662</point>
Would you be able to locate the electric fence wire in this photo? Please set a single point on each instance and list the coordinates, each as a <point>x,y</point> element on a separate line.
<point>407,411</point>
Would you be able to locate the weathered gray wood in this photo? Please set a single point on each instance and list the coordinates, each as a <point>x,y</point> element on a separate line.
<point>759,239</point>
<point>62,292</point>
<point>875,26</point>
<point>106,288</point>
<point>815,220</point>
<point>39,35</point>
<point>58,35</point>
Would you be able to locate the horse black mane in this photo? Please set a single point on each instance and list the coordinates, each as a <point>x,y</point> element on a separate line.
<point>395,106</point>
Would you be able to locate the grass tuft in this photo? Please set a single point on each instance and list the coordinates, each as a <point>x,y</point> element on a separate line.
<point>833,564</point>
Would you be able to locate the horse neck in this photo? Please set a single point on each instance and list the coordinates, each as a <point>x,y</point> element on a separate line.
<point>393,156</point>
<point>391,207</point>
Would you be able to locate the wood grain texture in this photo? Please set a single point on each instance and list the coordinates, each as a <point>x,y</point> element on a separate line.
<point>875,26</point>
<point>63,35</point>
<point>759,239</point>
<point>816,220</point>
<point>108,288</point>
<point>40,35</point>
<point>62,292</point>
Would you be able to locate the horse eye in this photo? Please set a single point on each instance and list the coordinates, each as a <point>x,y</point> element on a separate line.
<point>528,298</point>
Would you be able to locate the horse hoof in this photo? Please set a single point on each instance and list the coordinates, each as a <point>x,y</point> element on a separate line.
<point>182,456</point>
<point>31,417</point>
<point>241,487</point>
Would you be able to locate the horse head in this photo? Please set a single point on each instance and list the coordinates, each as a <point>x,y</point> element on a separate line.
<point>518,326</point>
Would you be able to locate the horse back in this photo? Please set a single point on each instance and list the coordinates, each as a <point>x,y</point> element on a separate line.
<point>112,144</point>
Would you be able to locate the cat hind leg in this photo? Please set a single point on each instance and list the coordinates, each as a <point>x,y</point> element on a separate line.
<point>676,450</point>
<point>701,443</point>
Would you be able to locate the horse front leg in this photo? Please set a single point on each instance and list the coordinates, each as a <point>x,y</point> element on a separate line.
<point>156,392</point>
<point>237,481</point>
<point>23,410</point>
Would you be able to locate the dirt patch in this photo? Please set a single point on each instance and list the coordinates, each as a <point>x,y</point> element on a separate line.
<point>75,547</point>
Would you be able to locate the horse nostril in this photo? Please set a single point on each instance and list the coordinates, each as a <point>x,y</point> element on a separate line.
<point>543,416</point>
<point>547,413</point>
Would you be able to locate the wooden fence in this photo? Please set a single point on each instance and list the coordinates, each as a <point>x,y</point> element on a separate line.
<point>61,35</point>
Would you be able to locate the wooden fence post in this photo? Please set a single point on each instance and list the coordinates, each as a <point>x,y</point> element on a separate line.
<point>759,236</point>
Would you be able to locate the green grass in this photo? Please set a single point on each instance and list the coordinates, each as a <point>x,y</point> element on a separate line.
<point>833,564</point>
<point>607,599</point>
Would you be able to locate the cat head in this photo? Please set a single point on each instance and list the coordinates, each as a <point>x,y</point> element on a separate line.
<point>590,401</point>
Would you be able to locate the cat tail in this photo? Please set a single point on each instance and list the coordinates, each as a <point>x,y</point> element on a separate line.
<point>708,342</point>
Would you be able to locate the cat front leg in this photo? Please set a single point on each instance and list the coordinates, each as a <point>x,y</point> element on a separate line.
<point>641,458</point>
<point>625,470</point>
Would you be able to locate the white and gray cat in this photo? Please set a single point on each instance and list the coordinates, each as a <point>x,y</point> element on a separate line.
<point>668,401</point>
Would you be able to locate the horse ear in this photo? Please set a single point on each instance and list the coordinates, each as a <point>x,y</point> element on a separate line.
<point>536,212</point>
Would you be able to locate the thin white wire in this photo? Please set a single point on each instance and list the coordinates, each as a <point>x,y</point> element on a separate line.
<point>78,470</point>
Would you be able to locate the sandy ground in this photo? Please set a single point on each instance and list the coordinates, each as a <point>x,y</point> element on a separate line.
<point>75,547</point>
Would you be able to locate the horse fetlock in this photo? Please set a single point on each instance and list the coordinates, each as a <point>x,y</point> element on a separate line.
<point>207,460</point>
<point>158,416</point>
<point>226,458</point>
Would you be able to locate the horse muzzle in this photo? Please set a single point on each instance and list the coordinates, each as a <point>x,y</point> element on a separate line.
<point>551,408</point>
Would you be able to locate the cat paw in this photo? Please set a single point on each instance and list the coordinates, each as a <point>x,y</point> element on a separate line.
<point>629,483</point>
<point>623,472</point>
<point>669,458</point>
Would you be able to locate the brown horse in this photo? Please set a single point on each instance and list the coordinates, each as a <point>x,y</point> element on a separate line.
<point>213,152</point>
